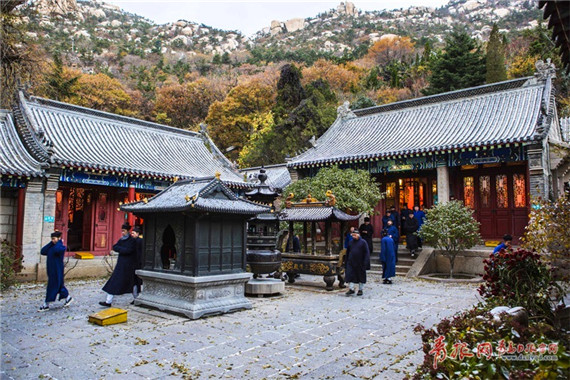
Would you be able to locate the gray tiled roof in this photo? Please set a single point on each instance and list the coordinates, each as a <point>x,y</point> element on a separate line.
<point>278,177</point>
<point>314,214</point>
<point>206,194</point>
<point>14,158</point>
<point>487,115</point>
<point>98,140</point>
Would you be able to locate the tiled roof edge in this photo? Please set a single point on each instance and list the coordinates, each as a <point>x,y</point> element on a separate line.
<point>112,116</point>
<point>372,156</point>
<point>41,150</point>
<point>452,95</point>
<point>264,167</point>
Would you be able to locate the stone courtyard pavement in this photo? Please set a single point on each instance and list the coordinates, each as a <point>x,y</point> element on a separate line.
<point>307,333</point>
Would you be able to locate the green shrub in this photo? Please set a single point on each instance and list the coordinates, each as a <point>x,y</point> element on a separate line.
<point>10,264</point>
<point>451,228</point>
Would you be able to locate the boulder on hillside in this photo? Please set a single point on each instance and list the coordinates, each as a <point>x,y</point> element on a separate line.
<point>347,8</point>
<point>276,27</point>
<point>187,31</point>
<point>99,13</point>
<point>294,24</point>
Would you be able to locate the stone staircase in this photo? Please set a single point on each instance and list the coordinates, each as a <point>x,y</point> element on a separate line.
<point>405,262</point>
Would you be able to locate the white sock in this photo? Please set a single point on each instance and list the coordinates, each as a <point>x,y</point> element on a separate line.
<point>135,292</point>
<point>109,298</point>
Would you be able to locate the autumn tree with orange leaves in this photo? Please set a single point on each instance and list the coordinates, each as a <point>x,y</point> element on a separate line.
<point>389,49</point>
<point>232,121</point>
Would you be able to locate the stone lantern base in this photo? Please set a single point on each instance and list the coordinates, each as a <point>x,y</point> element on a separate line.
<point>194,297</point>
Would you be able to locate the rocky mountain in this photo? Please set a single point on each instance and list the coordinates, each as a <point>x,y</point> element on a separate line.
<point>97,36</point>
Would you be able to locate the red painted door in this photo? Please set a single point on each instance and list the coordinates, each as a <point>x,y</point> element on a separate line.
<point>485,207</point>
<point>520,209</point>
<point>61,212</point>
<point>500,200</point>
<point>87,219</point>
<point>502,209</point>
<point>102,223</point>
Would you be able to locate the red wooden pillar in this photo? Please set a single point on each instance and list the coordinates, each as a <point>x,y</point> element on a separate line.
<point>131,196</point>
<point>20,221</point>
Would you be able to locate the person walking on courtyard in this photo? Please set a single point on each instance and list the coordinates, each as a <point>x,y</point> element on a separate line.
<point>136,234</point>
<point>55,251</point>
<point>122,280</point>
<point>357,262</point>
<point>420,216</point>
<point>366,231</point>
<point>387,257</point>
<point>410,228</point>
<point>395,235</point>
<point>506,244</point>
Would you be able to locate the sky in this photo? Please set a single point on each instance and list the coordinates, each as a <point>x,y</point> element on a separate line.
<point>248,17</point>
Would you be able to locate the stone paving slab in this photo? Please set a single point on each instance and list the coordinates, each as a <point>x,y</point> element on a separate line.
<point>306,333</point>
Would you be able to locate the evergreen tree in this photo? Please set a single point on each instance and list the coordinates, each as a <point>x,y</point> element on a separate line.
<point>290,92</point>
<point>461,65</point>
<point>362,102</point>
<point>58,86</point>
<point>496,70</point>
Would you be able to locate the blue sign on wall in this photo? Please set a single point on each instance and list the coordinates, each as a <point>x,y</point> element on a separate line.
<point>49,219</point>
<point>94,179</point>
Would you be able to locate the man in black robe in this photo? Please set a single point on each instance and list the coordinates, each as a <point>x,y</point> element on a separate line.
<point>122,280</point>
<point>136,234</point>
<point>410,227</point>
<point>357,262</point>
<point>366,231</point>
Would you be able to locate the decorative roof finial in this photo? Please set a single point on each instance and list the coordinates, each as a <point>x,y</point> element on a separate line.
<point>218,175</point>
<point>344,112</point>
<point>544,70</point>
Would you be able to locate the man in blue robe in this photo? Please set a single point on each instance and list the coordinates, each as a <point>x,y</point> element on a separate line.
<point>387,257</point>
<point>395,235</point>
<point>420,215</point>
<point>357,262</point>
<point>386,218</point>
<point>55,251</point>
<point>506,244</point>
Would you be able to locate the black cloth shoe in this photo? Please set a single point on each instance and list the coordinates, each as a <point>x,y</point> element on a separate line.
<point>43,308</point>
<point>359,293</point>
<point>350,292</point>
<point>385,281</point>
<point>105,304</point>
<point>132,302</point>
<point>68,301</point>
<point>389,282</point>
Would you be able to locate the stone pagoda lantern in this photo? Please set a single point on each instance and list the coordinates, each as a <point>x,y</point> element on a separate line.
<point>201,224</point>
<point>262,232</point>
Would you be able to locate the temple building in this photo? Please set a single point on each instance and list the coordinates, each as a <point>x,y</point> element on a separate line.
<point>492,147</point>
<point>69,168</point>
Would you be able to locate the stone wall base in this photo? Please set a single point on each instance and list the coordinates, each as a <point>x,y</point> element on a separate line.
<point>194,297</point>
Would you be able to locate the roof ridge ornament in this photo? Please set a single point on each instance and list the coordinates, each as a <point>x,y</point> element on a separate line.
<point>544,70</point>
<point>344,112</point>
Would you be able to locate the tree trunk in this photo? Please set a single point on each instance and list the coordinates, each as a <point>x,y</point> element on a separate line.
<point>451,264</point>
